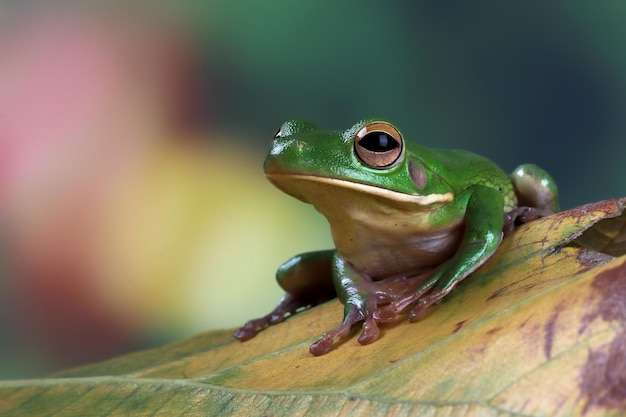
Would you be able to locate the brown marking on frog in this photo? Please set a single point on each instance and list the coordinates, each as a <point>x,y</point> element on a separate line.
<point>418,176</point>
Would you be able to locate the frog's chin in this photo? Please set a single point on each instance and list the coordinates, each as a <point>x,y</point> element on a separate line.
<point>283,181</point>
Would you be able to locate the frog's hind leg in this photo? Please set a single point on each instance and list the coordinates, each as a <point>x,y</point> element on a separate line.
<point>307,280</point>
<point>534,187</point>
<point>288,305</point>
<point>536,193</point>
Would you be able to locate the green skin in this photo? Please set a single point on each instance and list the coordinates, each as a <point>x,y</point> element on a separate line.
<point>405,233</point>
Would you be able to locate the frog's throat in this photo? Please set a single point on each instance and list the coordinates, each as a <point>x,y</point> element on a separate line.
<point>422,200</point>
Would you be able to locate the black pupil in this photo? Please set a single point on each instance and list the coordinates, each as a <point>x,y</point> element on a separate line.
<point>378,142</point>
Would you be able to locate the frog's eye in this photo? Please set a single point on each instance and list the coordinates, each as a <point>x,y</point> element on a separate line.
<point>378,145</point>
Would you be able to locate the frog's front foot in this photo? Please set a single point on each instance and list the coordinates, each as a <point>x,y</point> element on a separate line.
<point>418,296</point>
<point>353,315</point>
<point>374,303</point>
<point>419,310</point>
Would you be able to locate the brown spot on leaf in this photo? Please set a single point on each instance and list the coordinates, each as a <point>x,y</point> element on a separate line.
<point>458,326</point>
<point>478,351</point>
<point>604,375</point>
<point>497,293</point>
<point>510,288</point>
<point>550,328</point>
<point>610,285</point>
<point>494,330</point>
<point>591,259</point>
<point>523,324</point>
<point>603,378</point>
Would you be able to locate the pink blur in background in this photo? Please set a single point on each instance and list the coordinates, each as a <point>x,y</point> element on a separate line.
<point>86,101</point>
<point>117,213</point>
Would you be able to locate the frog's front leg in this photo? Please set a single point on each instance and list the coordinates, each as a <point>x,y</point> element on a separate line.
<point>359,299</point>
<point>307,280</point>
<point>362,298</point>
<point>481,238</point>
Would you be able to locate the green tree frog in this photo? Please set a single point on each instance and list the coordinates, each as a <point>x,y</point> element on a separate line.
<point>408,222</point>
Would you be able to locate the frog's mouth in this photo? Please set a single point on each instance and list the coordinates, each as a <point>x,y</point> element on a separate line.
<point>286,182</point>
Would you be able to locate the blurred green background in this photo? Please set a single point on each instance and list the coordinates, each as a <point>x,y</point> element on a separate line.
<point>133,207</point>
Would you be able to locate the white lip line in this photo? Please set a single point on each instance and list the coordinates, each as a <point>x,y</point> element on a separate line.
<point>423,200</point>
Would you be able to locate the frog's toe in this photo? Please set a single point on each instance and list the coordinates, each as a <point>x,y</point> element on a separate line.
<point>251,328</point>
<point>419,310</point>
<point>322,346</point>
<point>325,344</point>
<point>370,331</point>
<point>254,326</point>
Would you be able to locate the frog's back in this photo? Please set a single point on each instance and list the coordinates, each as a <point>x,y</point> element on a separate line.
<point>469,169</point>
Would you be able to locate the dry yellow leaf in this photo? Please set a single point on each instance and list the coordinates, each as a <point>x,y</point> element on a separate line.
<point>539,330</point>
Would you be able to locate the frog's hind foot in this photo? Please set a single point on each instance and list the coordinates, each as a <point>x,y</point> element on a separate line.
<point>288,305</point>
<point>521,215</point>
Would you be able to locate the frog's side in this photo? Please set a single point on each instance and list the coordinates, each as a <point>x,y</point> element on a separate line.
<point>408,222</point>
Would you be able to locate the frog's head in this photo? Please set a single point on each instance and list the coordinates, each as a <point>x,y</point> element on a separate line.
<point>371,158</point>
